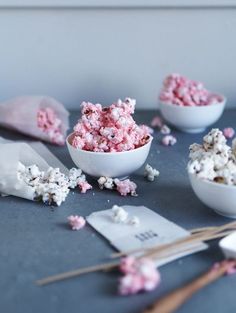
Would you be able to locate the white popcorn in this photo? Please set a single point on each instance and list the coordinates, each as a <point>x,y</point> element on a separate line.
<point>106,182</point>
<point>165,130</point>
<point>150,173</point>
<point>74,176</point>
<point>52,186</point>
<point>134,221</point>
<point>119,214</point>
<point>214,160</point>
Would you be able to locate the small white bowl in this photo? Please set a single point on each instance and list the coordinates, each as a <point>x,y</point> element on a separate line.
<point>193,119</point>
<point>228,246</point>
<point>219,197</point>
<point>110,164</point>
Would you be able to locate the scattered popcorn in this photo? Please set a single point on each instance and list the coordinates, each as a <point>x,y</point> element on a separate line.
<point>119,214</point>
<point>76,222</point>
<point>134,221</point>
<point>140,275</point>
<point>213,160</point>
<point>50,124</point>
<point>110,129</point>
<point>157,122</point>
<point>169,140</point>
<point>106,182</point>
<point>77,178</point>
<point>228,132</point>
<point>165,130</point>
<point>125,187</point>
<point>182,91</point>
<point>150,173</point>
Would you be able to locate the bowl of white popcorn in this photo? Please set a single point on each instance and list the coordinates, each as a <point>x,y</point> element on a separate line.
<point>212,173</point>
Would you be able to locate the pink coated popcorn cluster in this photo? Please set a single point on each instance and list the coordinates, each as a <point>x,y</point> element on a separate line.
<point>228,132</point>
<point>50,124</point>
<point>125,187</point>
<point>84,186</point>
<point>182,91</point>
<point>76,222</point>
<point>109,129</point>
<point>139,275</point>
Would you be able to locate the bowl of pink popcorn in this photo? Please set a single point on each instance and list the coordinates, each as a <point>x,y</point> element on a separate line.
<point>107,141</point>
<point>188,105</point>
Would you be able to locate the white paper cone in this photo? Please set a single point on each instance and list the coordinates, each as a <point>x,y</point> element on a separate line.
<point>20,114</point>
<point>10,156</point>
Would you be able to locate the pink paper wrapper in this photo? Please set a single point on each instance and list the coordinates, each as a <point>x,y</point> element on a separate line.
<point>21,114</point>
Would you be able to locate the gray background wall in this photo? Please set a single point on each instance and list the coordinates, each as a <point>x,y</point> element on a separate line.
<point>101,50</point>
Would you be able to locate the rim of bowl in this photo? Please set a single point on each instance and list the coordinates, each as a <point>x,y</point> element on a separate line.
<point>108,153</point>
<point>212,182</point>
<point>224,99</point>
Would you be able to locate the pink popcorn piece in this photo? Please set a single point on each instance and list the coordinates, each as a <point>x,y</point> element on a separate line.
<point>84,186</point>
<point>125,187</point>
<point>50,124</point>
<point>169,140</point>
<point>182,91</point>
<point>157,122</point>
<point>76,222</point>
<point>109,129</point>
<point>229,264</point>
<point>140,275</point>
<point>127,265</point>
<point>229,132</point>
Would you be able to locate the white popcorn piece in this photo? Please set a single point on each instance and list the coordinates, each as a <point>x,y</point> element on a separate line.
<point>119,214</point>
<point>165,130</point>
<point>150,173</point>
<point>106,182</point>
<point>134,221</point>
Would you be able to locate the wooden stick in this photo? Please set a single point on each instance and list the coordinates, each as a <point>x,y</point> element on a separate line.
<point>155,253</point>
<point>175,299</point>
<point>77,272</point>
<point>185,239</point>
<point>112,265</point>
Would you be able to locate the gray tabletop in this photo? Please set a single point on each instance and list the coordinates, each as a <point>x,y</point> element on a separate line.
<point>35,241</point>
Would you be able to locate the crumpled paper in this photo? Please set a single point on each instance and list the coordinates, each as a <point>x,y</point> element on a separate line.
<point>20,114</point>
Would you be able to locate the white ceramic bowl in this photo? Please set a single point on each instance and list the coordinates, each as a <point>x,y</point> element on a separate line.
<point>110,164</point>
<point>192,119</point>
<point>219,197</point>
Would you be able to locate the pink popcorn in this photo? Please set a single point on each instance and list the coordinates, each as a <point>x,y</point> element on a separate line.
<point>110,129</point>
<point>182,91</point>
<point>140,275</point>
<point>228,132</point>
<point>76,222</point>
<point>128,265</point>
<point>84,186</point>
<point>169,140</point>
<point>125,187</point>
<point>50,124</point>
<point>157,122</point>
<point>229,264</point>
